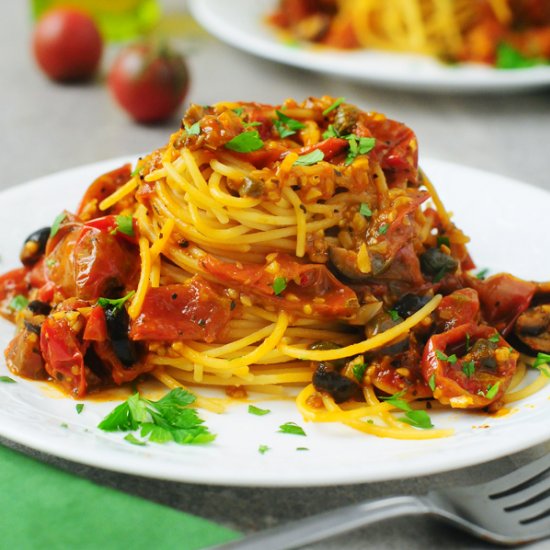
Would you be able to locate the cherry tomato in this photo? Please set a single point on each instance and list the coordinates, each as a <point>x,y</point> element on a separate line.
<point>148,81</point>
<point>67,44</point>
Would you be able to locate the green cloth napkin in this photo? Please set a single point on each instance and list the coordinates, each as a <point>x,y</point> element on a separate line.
<point>42,507</point>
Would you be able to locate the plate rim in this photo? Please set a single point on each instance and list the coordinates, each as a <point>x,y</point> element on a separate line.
<point>141,461</point>
<point>469,78</point>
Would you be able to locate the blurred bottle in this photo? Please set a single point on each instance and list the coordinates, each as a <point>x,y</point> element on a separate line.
<point>118,19</point>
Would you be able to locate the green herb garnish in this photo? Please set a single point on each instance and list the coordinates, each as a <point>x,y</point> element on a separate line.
<point>131,438</point>
<point>542,359</point>
<point>311,158</point>
<point>383,229</point>
<point>443,241</point>
<point>394,315</point>
<point>469,368</point>
<point>286,126</point>
<point>238,111</point>
<point>291,428</point>
<point>431,382</point>
<point>7,380</point>
<point>56,224</point>
<point>114,303</point>
<point>125,224</point>
<point>482,274</point>
<point>168,419</point>
<point>358,146</point>
<point>452,359</point>
<point>492,391</point>
<point>495,339</point>
<point>364,210</point>
<point>336,104</point>
<point>262,449</point>
<point>302,449</point>
<point>18,302</point>
<point>257,411</point>
<point>246,142</point>
<point>79,407</point>
<point>330,132</point>
<point>359,371</point>
<point>418,419</point>
<point>279,284</point>
<point>194,129</point>
<point>509,57</point>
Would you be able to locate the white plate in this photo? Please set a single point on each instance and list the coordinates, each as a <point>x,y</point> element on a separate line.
<point>241,24</point>
<point>500,215</point>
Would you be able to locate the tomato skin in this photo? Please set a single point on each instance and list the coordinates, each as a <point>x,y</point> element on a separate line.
<point>452,385</point>
<point>458,308</point>
<point>67,44</point>
<point>148,83</point>
<point>194,310</point>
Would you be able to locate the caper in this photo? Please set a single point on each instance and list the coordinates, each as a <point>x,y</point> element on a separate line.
<point>436,263</point>
<point>409,304</point>
<point>251,188</point>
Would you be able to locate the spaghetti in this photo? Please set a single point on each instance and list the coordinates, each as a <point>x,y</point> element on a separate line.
<point>294,250</point>
<point>505,33</point>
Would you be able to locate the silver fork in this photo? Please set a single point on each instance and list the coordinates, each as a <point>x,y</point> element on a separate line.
<point>510,510</point>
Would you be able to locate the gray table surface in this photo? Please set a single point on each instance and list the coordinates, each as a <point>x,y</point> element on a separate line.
<point>46,127</point>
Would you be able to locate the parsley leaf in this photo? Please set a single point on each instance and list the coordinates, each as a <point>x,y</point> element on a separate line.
<point>114,303</point>
<point>56,224</point>
<point>482,274</point>
<point>495,339</point>
<point>541,360</point>
<point>469,368</point>
<point>364,210</point>
<point>246,142</point>
<point>291,428</point>
<point>194,129</point>
<point>18,302</point>
<point>302,448</point>
<point>7,380</point>
<point>418,419</point>
<point>168,419</point>
<point>257,411</point>
<point>431,382</point>
<point>125,224</point>
<point>238,111</point>
<point>336,104</point>
<point>359,371</point>
<point>359,146</point>
<point>286,126</point>
<point>279,284</point>
<point>131,438</point>
<point>311,158</point>
<point>262,449</point>
<point>394,315</point>
<point>452,359</point>
<point>443,241</point>
<point>396,401</point>
<point>383,229</point>
<point>509,57</point>
<point>492,391</point>
<point>331,131</point>
<point>79,407</point>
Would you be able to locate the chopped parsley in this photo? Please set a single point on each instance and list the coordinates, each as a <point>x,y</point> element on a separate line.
<point>482,274</point>
<point>125,224</point>
<point>383,229</point>
<point>311,158</point>
<point>18,302</point>
<point>279,284</point>
<point>431,382</point>
<point>495,339</point>
<point>131,438</point>
<point>291,428</point>
<point>394,315</point>
<point>358,146</point>
<point>443,241</point>
<point>114,303</point>
<point>238,111</point>
<point>246,142</point>
<point>509,57</point>
<point>79,407</point>
<point>415,418</point>
<point>302,449</point>
<point>336,104</point>
<point>468,368</point>
<point>135,172</point>
<point>7,380</point>
<point>542,360</point>
<point>262,449</point>
<point>364,210</point>
<point>330,132</point>
<point>194,129</point>
<point>451,359</point>
<point>359,371</point>
<point>492,390</point>
<point>257,411</point>
<point>286,126</point>
<point>168,419</point>
<point>57,223</point>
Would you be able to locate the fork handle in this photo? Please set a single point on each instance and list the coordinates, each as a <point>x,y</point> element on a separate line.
<point>327,524</point>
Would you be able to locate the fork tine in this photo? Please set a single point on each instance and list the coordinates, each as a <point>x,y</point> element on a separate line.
<point>533,493</point>
<point>518,479</point>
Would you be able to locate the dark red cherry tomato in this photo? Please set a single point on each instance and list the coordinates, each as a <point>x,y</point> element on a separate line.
<point>67,44</point>
<point>149,81</point>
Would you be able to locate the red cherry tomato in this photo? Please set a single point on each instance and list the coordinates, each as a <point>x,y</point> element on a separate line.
<point>67,44</point>
<point>148,81</point>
